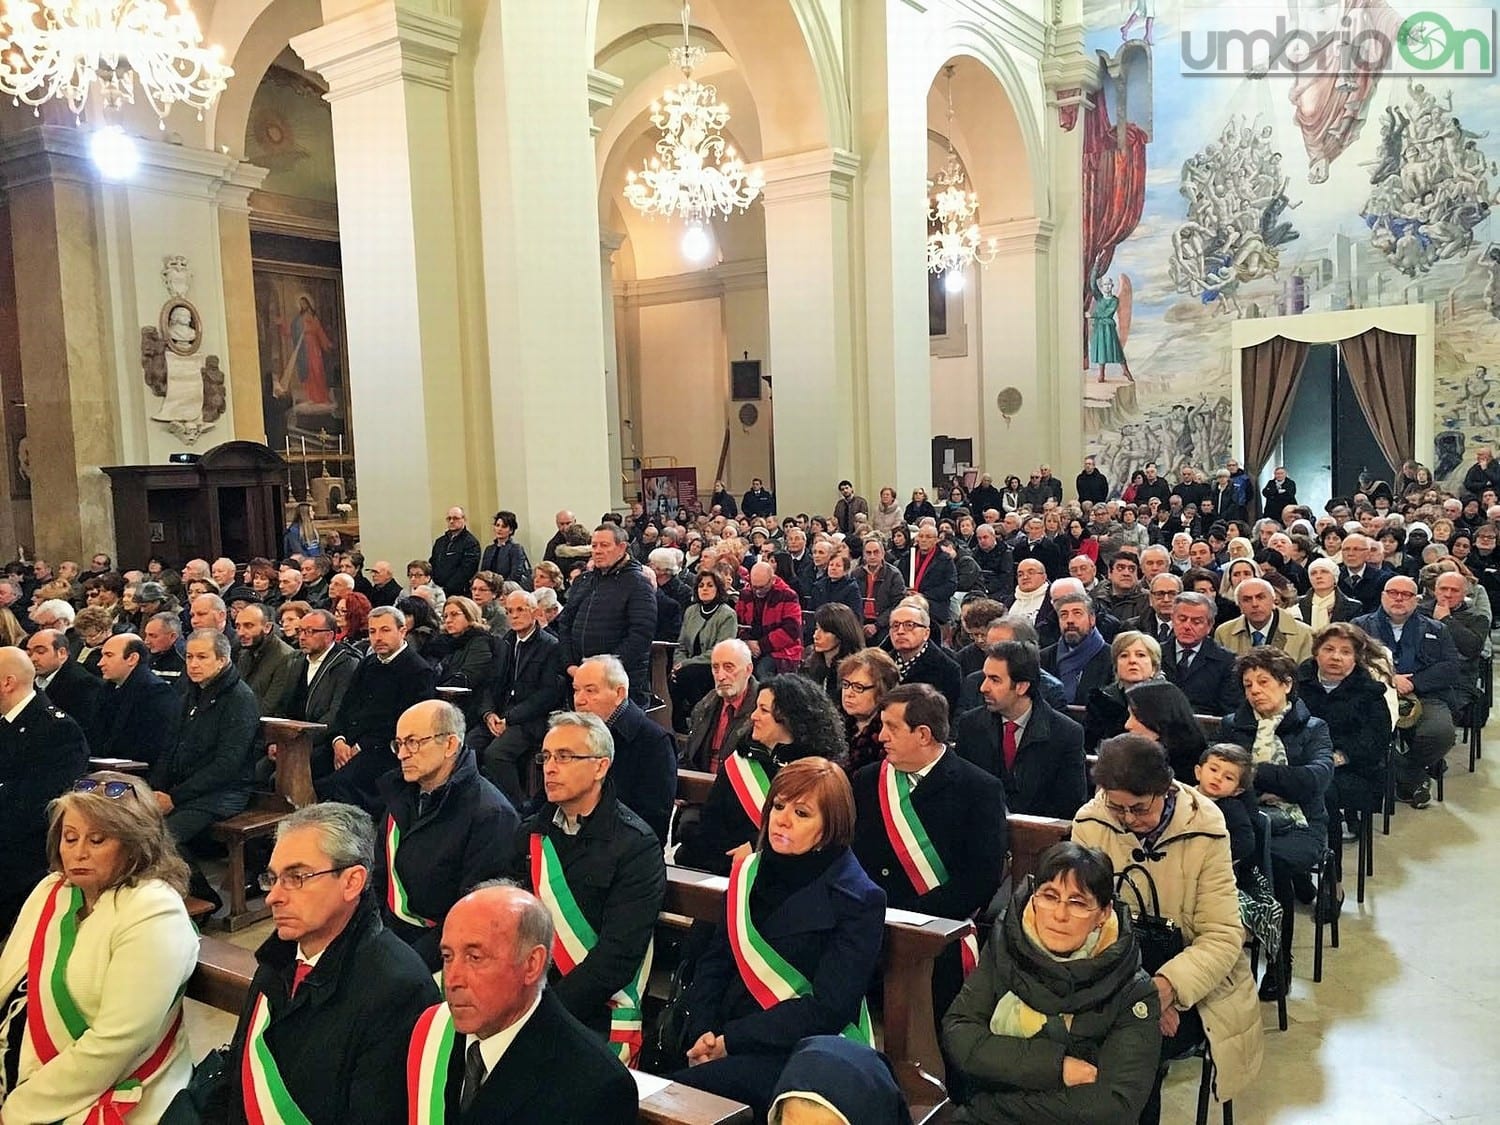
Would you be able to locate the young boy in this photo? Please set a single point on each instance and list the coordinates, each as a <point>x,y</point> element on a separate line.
<point>1224,774</point>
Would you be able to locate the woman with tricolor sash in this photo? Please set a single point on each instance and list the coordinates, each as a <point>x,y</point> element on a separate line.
<point>96,965</point>
<point>799,946</point>
<point>1058,1023</point>
<point>793,719</point>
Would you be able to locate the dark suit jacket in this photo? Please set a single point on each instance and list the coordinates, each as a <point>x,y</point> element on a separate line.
<point>524,1088</point>
<point>374,700</point>
<point>82,696</point>
<point>705,720</point>
<point>1368,589</point>
<point>1210,684</point>
<point>524,692</point>
<point>831,930</point>
<point>319,701</point>
<point>939,581</point>
<point>1048,776</point>
<point>42,752</point>
<point>140,717</point>
<point>645,767</point>
<point>963,810</point>
<point>937,668</point>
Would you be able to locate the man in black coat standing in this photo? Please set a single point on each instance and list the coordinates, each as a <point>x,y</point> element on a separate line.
<point>335,994</point>
<point>75,691</point>
<point>1092,485</point>
<point>455,555</point>
<point>612,609</point>
<point>601,861</point>
<point>550,1068</point>
<point>529,683</point>
<point>42,752</point>
<point>140,714</point>
<point>445,831</point>
<point>645,763</point>
<point>1035,751</point>
<point>757,501</point>
<point>385,684</point>
<point>953,805</point>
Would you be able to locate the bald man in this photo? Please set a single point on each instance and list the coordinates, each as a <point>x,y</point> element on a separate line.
<point>770,616</point>
<point>455,555</point>
<point>384,589</point>
<point>564,519</point>
<point>517,1055</point>
<point>42,752</point>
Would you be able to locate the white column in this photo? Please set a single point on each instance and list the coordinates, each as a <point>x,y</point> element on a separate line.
<point>389,75</point>
<point>810,282</point>
<point>609,243</point>
<point>1015,343</point>
<point>544,300</point>
<point>893,142</point>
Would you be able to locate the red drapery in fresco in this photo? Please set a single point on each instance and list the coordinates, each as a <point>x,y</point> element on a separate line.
<point>1114,193</point>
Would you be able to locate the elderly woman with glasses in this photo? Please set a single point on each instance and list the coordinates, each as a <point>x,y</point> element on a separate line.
<point>1171,846</point>
<point>100,955</point>
<point>1057,1022</point>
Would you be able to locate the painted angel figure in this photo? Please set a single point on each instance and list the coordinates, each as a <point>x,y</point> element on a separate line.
<point>1106,344</point>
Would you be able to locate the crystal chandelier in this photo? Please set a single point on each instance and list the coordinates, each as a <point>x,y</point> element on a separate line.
<point>51,49</point>
<point>695,174</point>
<point>953,241</point>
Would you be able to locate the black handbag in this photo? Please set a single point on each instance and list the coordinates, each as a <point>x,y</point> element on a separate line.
<point>1159,938</point>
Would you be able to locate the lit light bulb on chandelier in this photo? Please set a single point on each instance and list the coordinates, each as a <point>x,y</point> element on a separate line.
<point>696,243</point>
<point>953,280</point>
<point>114,152</point>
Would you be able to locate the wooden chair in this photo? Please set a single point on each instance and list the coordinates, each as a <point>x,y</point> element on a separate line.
<point>294,790</point>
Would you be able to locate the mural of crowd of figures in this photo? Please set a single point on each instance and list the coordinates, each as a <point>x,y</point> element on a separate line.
<point>1351,184</point>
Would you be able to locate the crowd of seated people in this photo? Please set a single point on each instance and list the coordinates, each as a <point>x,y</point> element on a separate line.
<point>871,694</point>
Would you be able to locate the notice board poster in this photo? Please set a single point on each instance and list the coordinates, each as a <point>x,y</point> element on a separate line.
<point>667,492</point>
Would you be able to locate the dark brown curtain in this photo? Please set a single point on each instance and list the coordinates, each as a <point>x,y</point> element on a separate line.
<point>1381,367</point>
<point>1268,383</point>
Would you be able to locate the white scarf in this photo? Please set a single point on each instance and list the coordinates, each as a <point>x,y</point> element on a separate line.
<point>1027,605</point>
<point>1322,609</point>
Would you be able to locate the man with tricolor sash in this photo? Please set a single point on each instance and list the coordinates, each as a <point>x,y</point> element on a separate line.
<point>599,869</point>
<point>501,1047</point>
<point>929,826</point>
<point>323,1035</point>
<point>445,829</point>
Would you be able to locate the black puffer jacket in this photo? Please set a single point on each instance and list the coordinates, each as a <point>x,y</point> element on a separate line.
<point>612,611</point>
<point>1115,1026</point>
<point>217,741</point>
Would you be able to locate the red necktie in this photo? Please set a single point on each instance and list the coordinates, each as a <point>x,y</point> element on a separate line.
<point>1008,744</point>
<point>726,716</point>
<point>303,968</point>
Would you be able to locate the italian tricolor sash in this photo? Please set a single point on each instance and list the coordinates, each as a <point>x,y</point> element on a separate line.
<point>265,1095</point>
<point>575,938</point>
<point>53,1017</point>
<point>427,1066</point>
<point>769,976</point>
<point>914,848</point>
<point>395,890</point>
<point>750,783</point>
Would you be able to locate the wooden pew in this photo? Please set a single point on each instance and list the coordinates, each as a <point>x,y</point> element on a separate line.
<point>1209,723</point>
<point>912,943</point>
<point>294,790</point>
<point>661,688</point>
<point>222,981</point>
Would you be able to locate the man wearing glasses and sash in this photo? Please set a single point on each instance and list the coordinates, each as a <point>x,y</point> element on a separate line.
<point>598,868</point>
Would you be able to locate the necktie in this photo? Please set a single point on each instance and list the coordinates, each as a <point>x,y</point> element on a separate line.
<point>1184,659</point>
<point>300,975</point>
<point>716,747</point>
<point>1008,744</point>
<point>1164,632</point>
<point>1257,637</point>
<point>474,1071</point>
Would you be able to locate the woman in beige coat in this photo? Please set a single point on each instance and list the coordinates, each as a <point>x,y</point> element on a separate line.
<point>1140,815</point>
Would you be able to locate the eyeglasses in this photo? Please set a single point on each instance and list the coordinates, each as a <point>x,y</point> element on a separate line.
<point>1400,595</point>
<point>903,626</point>
<point>1051,900</point>
<point>292,880</point>
<point>562,757</point>
<point>413,744</point>
<point>857,689</point>
<point>114,790</point>
<point>1132,812</point>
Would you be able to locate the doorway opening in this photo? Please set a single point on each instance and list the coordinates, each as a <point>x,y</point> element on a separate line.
<point>1328,443</point>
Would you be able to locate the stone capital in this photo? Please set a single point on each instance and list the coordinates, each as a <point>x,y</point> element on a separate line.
<point>376,46</point>
<point>807,175</point>
<point>61,153</point>
<point>1018,236</point>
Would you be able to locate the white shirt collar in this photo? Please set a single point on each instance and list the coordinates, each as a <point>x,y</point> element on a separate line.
<point>392,656</point>
<point>494,1048</point>
<point>918,775</point>
<point>314,959</point>
<point>15,712</point>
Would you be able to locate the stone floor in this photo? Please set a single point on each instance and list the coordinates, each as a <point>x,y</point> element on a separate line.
<point>1404,1028</point>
